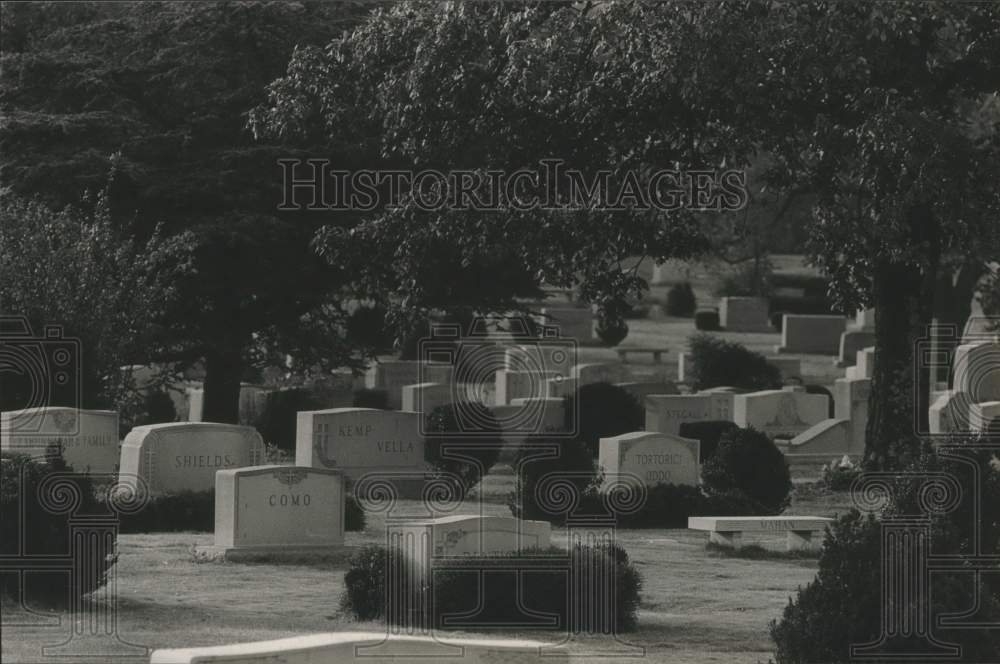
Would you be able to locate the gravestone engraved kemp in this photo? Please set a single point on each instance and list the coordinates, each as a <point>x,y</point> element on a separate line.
<point>88,438</point>
<point>184,456</point>
<point>653,458</point>
<point>357,441</point>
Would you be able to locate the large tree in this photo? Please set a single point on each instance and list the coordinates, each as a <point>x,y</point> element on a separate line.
<point>157,94</point>
<point>623,87</point>
<point>890,114</point>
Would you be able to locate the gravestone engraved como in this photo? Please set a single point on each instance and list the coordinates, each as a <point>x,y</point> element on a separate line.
<point>262,508</point>
<point>357,441</point>
<point>88,438</point>
<point>184,456</point>
<point>653,458</point>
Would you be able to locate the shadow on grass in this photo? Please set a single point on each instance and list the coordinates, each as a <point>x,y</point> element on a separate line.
<point>757,552</point>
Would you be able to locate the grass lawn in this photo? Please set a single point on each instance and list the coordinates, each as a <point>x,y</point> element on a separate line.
<point>697,605</point>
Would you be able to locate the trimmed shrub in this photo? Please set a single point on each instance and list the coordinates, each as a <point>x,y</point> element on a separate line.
<point>369,398</point>
<point>601,410</point>
<point>707,320</point>
<point>354,516</point>
<point>481,448</point>
<point>840,474</point>
<point>681,300</point>
<point>574,464</point>
<point>460,589</point>
<point>33,526</point>
<point>277,419</point>
<point>192,511</point>
<point>716,363</point>
<point>778,320</point>
<point>843,605</point>
<point>748,461</point>
<point>708,432</point>
<point>611,330</point>
<point>819,389</point>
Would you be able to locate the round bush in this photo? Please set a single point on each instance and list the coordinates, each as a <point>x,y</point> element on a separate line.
<point>681,300</point>
<point>601,410</point>
<point>573,464</point>
<point>611,330</point>
<point>479,449</point>
<point>777,319</point>
<point>277,420</point>
<point>32,526</point>
<point>707,320</point>
<point>843,605</point>
<point>717,363</point>
<point>368,398</point>
<point>749,462</point>
<point>708,433</point>
<point>460,589</point>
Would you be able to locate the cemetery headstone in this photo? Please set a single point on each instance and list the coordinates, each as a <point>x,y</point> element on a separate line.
<point>744,314</point>
<point>642,390</point>
<point>811,334</point>
<point>512,385</point>
<point>977,370</point>
<point>556,358</point>
<point>359,441</point>
<point>277,510</point>
<point>425,397</point>
<point>651,457</point>
<point>948,413</point>
<point>831,436</point>
<point>88,438</point>
<point>599,372</point>
<point>392,375</point>
<point>850,402</point>
<point>780,413</point>
<point>666,412</point>
<point>559,387</point>
<point>573,323</point>
<point>984,416</point>
<point>851,342</point>
<point>184,456</point>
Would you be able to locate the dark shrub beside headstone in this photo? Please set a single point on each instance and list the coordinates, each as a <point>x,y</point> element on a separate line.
<point>716,363</point>
<point>483,446</point>
<point>844,604</point>
<point>369,398</point>
<point>777,320</point>
<point>681,300</point>
<point>36,526</point>
<point>708,432</point>
<point>601,410</point>
<point>707,320</point>
<point>749,462</point>
<point>574,463</point>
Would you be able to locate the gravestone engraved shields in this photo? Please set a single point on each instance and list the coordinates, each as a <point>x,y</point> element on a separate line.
<point>184,456</point>
<point>357,441</point>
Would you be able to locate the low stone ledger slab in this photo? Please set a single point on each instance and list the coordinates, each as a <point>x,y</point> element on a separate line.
<point>728,530</point>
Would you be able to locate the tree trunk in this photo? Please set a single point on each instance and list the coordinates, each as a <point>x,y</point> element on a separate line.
<point>223,371</point>
<point>904,305</point>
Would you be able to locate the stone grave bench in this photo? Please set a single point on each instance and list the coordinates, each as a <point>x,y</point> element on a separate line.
<point>657,353</point>
<point>728,530</point>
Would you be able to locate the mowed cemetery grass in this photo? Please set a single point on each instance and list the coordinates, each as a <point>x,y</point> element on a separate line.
<point>697,605</point>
